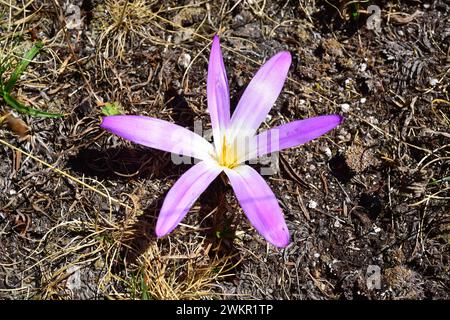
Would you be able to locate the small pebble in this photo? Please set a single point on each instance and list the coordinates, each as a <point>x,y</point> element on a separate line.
<point>327,152</point>
<point>312,204</point>
<point>433,82</point>
<point>373,120</point>
<point>316,255</point>
<point>363,67</point>
<point>184,60</point>
<point>363,100</point>
<point>345,107</point>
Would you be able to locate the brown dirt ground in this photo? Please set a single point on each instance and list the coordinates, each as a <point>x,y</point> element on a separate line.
<point>373,193</point>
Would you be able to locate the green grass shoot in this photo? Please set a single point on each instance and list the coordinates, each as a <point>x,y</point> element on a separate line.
<point>5,88</point>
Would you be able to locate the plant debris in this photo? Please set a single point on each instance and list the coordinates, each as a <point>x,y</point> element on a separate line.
<point>367,205</point>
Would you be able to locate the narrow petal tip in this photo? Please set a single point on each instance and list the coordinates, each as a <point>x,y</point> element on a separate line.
<point>282,60</point>
<point>112,122</point>
<point>282,240</point>
<point>160,233</point>
<point>104,122</point>
<point>286,56</point>
<point>335,120</point>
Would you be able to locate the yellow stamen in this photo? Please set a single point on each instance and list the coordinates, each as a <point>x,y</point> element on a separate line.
<point>228,156</point>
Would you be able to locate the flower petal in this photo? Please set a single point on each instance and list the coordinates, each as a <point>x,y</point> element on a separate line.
<point>183,194</point>
<point>218,93</point>
<point>290,135</point>
<point>259,204</point>
<point>159,134</point>
<point>260,94</point>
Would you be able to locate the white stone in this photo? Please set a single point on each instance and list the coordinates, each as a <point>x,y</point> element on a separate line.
<point>74,282</point>
<point>184,60</point>
<point>433,82</point>
<point>373,120</point>
<point>327,151</point>
<point>312,204</point>
<point>363,67</point>
<point>345,107</point>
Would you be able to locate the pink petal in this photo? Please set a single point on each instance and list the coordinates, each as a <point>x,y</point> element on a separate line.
<point>260,94</point>
<point>218,93</point>
<point>183,194</point>
<point>293,134</point>
<point>158,134</point>
<point>259,204</point>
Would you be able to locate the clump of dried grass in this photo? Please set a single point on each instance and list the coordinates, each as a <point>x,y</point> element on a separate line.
<point>122,23</point>
<point>126,261</point>
<point>189,273</point>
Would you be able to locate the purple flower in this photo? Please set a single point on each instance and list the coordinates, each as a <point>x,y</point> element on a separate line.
<point>235,141</point>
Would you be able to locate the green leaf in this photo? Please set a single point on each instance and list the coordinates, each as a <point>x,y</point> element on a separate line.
<point>111,109</point>
<point>20,68</point>
<point>144,290</point>
<point>439,180</point>
<point>27,110</point>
